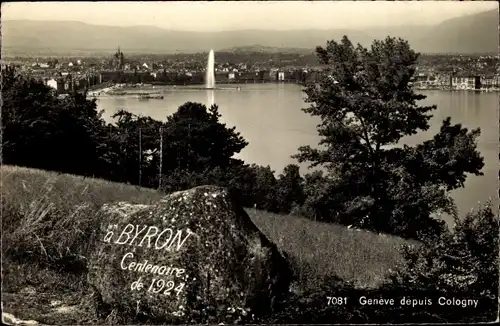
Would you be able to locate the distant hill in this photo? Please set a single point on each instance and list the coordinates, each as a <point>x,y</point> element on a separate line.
<point>476,33</point>
<point>267,49</point>
<point>468,34</point>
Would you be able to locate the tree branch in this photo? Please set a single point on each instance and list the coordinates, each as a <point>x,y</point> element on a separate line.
<point>365,133</point>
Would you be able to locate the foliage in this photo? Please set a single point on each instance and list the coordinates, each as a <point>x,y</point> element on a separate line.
<point>264,188</point>
<point>290,189</point>
<point>123,140</point>
<point>367,105</point>
<point>40,130</point>
<point>196,139</point>
<point>254,185</point>
<point>463,262</point>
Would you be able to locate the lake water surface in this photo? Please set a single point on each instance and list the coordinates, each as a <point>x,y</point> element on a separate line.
<point>269,117</point>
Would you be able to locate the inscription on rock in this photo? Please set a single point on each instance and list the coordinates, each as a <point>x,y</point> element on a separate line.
<point>172,279</point>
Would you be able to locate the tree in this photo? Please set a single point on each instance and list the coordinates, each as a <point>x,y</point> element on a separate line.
<point>264,189</point>
<point>199,149</point>
<point>366,104</point>
<point>290,189</point>
<point>42,131</point>
<point>124,141</point>
<point>196,140</point>
<point>317,204</point>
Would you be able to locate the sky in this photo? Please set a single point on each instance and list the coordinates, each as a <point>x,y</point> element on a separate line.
<point>277,15</point>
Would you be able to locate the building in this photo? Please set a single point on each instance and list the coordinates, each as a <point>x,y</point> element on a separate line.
<point>421,77</point>
<point>489,81</point>
<point>68,83</point>
<point>52,83</point>
<point>465,82</point>
<point>119,60</point>
<point>59,79</point>
<point>459,82</point>
<point>273,73</point>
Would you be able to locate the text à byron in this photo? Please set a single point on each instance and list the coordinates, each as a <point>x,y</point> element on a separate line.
<point>147,236</point>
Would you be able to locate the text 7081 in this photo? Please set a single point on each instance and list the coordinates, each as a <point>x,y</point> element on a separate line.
<point>337,300</point>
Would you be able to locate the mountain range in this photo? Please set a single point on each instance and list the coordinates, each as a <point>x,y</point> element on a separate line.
<point>477,33</point>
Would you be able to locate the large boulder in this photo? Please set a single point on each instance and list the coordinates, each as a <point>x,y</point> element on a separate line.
<point>193,257</point>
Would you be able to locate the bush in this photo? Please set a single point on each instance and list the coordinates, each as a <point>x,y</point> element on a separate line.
<point>463,263</point>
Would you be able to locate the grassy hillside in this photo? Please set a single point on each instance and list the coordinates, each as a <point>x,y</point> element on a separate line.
<point>322,249</point>
<point>47,216</point>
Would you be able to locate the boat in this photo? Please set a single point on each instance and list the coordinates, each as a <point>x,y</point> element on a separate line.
<point>117,93</point>
<point>147,97</point>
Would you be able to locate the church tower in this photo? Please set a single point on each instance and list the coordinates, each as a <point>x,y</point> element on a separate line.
<point>119,59</point>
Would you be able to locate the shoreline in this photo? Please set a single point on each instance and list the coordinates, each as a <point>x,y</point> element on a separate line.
<point>128,89</point>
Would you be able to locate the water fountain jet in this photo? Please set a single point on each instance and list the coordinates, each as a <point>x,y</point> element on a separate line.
<point>210,76</point>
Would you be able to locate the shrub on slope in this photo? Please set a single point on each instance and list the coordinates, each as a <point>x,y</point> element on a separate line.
<point>463,263</point>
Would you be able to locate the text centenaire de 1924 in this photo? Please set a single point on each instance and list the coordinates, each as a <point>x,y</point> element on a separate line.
<point>137,235</point>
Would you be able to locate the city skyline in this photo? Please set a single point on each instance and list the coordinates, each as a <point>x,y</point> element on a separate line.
<point>221,16</point>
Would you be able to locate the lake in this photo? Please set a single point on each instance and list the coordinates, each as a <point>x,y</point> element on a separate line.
<point>269,117</point>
